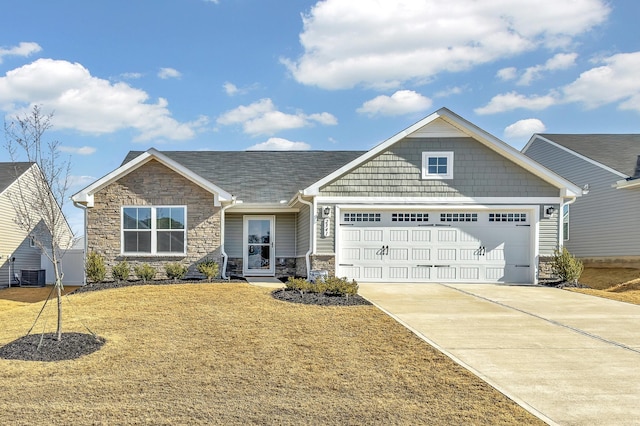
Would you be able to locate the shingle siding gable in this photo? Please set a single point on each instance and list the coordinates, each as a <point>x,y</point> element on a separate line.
<point>478,172</point>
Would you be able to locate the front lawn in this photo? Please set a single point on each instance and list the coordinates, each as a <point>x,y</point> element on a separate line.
<point>622,284</point>
<point>231,354</point>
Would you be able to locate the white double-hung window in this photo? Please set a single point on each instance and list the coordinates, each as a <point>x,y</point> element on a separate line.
<point>157,230</point>
<point>437,165</point>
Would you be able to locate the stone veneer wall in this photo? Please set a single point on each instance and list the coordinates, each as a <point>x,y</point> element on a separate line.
<point>153,184</point>
<point>324,262</point>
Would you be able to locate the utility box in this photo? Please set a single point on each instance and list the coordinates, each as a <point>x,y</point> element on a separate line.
<point>33,278</point>
<point>318,273</point>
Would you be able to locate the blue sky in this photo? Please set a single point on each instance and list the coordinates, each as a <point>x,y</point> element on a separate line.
<point>330,75</point>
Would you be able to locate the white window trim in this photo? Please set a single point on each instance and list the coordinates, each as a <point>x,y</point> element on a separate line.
<point>153,230</point>
<point>430,154</point>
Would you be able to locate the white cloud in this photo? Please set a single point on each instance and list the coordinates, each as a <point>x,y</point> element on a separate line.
<point>395,41</point>
<point>506,74</point>
<point>23,49</point>
<point>513,100</point>
<point>457,90</point>
<point>524,128</point>
<point>279,144</point>
<point>615,81</point>
<point>401,102</point>
<point>131,75</point>
<point>81,181</point>
<point>558,62</point>
<point>86,103</point>
<point>262,118</point>
<point>83,150</point>
<point>230,88</point>
<point>166,73</point>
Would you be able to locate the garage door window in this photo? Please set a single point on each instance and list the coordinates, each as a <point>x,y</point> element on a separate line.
<point>458,217</point>
<point>361,217</point>
<point>409,217</point>
<point>507,217</point>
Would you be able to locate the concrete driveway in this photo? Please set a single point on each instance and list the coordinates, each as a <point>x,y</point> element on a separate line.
<point>569,358</point>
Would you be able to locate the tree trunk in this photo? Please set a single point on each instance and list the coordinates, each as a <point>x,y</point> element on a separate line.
<point>56,272</point>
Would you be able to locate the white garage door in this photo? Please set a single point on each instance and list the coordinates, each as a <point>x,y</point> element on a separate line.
<point>438,246</point>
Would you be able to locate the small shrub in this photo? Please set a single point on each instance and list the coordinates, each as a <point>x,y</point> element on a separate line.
<point>175,271</point>
<point>121,271</point>
<point>95,269</point>
<point>566,266</point>
<point>298,284</point>
<point>332,286</point>
<point>340,287</point>
<point>145,272</point>
<point>208,268</point>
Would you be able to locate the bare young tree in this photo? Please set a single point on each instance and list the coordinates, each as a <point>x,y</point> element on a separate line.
<point>39,197</point>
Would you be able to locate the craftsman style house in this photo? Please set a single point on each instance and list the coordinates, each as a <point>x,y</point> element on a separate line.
<point>441,201</point>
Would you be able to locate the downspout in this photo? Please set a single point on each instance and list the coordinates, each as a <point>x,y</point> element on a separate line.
<point>307,256</point>
<point>223,273</point>
<point>86,244</point>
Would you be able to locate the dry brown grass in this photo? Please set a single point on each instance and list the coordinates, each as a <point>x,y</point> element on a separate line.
<point>622,284</point>
<point>231,354</point>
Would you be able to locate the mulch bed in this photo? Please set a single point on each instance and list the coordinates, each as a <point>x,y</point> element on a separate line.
<point>562,284</point>
<point>38,347</point>
<point>113,284</point>
<point>322,299</point>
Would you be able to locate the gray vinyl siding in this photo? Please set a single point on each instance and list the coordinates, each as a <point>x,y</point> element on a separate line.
<point>478,172</point>
<point>548,233</point>
<point>325,245</point>
<point>285,235</point>
<point>233,235</point>
<point>603,223</point>
<point>302,229</point>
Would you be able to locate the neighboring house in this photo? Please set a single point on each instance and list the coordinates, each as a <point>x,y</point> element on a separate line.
<point>604,225</point>
<point>18,249</point>
<point>440,201</point>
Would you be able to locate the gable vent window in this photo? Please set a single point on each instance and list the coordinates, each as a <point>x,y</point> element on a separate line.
<point>507,217</point>
<point>409,217</point>
<point>362,217</point>
<point>458,217</point>
<point>437,165</point>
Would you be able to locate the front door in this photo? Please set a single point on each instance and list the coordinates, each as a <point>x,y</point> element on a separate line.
<point>259,248</point>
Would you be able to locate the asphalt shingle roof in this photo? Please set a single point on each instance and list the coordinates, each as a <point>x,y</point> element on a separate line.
<point>9,171</point>
<point>260,176</point>
<point>618,151</point>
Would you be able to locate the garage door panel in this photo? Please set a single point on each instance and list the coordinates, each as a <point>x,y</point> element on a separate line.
<point>398,254</point>
<point>446,273</point>
<point>446,254</point>
<point>421,235</point>
<point>352,272</point>
<point>447,235</point>
<point>469,273</point>
<point>399,235</point>
<point>472,254</point>
<point>396,272</point>
<point>419,254</point>
<point>372,235</point>
<point>371,254</point>
<point>369,272</point>
<point>421,273</point>
<point>349,235</point>
<point>350,254</point>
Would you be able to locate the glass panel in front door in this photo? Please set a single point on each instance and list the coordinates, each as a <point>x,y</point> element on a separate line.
<point>259,241</point>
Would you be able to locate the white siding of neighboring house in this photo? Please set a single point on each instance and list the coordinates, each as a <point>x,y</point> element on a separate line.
<point>15,241</point>
<point>606,221</point>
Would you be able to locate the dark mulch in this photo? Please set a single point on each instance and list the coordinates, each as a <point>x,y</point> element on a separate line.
<point>562,284</point>
<point>38,347</point>
<point>322,299</point>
